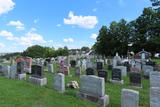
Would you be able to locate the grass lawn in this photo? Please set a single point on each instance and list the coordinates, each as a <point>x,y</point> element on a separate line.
<point>15,93</point>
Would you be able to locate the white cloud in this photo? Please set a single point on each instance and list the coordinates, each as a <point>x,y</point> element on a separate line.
<point>29,39</point>
<point>50,41</point>
<point>6,6</point>
<point>58,25</point>
<point>2,45</point>
<point>18,24</point>
<point>88,22</point>
<point>68,40</point>
<point>7,35</point>
<point>33,29</point>
<point>94,36</point>
<point>94,10</point>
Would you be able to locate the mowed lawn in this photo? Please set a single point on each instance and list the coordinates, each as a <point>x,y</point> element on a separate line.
<point>15,93</point>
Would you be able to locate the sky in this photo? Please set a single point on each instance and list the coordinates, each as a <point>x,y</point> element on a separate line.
<point>59,23</point>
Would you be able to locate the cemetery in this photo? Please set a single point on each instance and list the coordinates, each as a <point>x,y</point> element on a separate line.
<point>95,86</point>
<point>48,59</point>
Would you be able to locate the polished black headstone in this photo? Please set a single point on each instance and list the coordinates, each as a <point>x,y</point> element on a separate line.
<point>37,71</point>
<point>90,71</point>
<point>116,74</point>
<point>103,74</point>
<point>126,64</point>
<point>99,65</point>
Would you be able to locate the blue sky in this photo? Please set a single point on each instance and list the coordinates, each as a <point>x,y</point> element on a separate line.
<point>59,23</point>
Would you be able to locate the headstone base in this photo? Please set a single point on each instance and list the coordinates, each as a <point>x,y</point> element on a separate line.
<point>22,76</point>
<point>117,82</point>
<point>102,101</point>
<point>38,81</point>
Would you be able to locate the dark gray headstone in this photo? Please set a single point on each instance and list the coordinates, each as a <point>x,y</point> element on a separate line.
<point>135,79</point>
<point>37,71</point>
<point>99,65</point>
<point>90,71</point>
<point>116,74</point>
<point>103,74</point>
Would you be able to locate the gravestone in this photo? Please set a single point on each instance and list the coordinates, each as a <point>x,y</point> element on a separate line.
<point>129,98</point>
<point>37,76</point>
<point>6,70</point>
<point>73,63</point>
<point>135,79</point>
<point>127,65</point>
<point>37,71</point>
<point>117,76</point>
<point>155,97</point>
<point>92,88</point>
<point>50,68</point>
<point>146,70</point>
<point>90,71</point>
<point>20,70</point>
<point>155,79</point>
<point>103,74</point>
<point>13,72</point>
<point>123,70</point>
<point>78,71</point>
<point>99,65</point>
<point>138,65</point>
<point>59,82</point>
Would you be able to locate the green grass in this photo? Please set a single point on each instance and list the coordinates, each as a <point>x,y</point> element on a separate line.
<point>15,93</point>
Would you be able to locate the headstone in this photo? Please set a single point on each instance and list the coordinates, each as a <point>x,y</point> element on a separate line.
<point>13,72</point>
<point>6,70</point>
<point>93,89</point>
<point>20,67</point>
<point>146,70</point>
<point>37,76</point>
<point>90,71</point>
<point>138,65</point>
<point>50,68</point>
<point>154,96</point>
<point>99,65</point>
<point>135,79</point>
<point>155,79</point>
<point>129,98</point>
<point>123,70</point>
<point>78,71</point>
<point>59,82</point>
<point>117,76</point>
<point>103,74</point>
<point>73,63</point>
<point>126,64</point>
<point>37,71</point>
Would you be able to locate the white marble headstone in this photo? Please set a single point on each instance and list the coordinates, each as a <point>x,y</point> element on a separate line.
<point>129,98</point>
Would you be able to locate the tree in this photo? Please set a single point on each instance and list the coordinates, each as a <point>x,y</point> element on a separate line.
<point>35,51</point>
<point>86,49</point>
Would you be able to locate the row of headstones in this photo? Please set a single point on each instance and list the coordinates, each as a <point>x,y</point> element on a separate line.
<point>92,88</point>
<point>11,72</point>
<point>117,73</point>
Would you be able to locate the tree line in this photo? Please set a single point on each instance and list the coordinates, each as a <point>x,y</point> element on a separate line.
<point>123,36</point>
